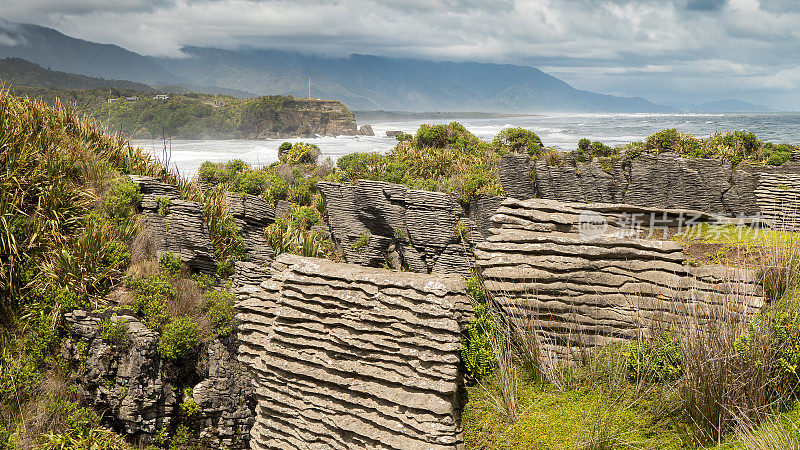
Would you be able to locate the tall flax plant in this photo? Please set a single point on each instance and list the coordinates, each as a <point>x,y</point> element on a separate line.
<point>52,164</point>
<point>227,243</point>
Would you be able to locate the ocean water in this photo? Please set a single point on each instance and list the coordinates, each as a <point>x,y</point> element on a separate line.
<point>560,130</point>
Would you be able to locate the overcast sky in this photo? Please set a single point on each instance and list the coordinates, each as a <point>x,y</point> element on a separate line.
<point>667,51</point>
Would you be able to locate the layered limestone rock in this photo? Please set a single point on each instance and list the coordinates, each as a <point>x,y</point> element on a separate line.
<point>779,198</point>
<point>252,214</point>
<point>344,356</point>
<point>588,274</point>
<point>515,172</point>
<point>131,384</point>
<point>175,225</point>
<point>428,232</point>
<point>299,117</point>
<point>664,181</point>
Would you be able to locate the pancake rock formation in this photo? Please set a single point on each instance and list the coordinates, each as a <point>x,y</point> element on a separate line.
<point>344,356</point>
<point>582,274</point>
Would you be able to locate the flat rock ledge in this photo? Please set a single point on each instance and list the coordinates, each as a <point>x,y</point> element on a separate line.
<point>344,356</point>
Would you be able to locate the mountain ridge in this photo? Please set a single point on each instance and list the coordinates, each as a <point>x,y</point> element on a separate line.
<point>363,82</point>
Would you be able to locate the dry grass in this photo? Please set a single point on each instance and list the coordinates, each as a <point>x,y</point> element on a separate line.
<point>190,302</point>
<point>775,433</point>
<point>779,263</point>
<point>143,247</point>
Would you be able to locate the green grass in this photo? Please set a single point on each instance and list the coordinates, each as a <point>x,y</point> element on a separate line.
<point>551,419</point>
<point>590,416</point>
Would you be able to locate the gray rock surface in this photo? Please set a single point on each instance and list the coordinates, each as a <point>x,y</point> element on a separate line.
<point>778,196</point>
<point>226,399</point>
<point>372,221</point>
<point>660,181</point>
<point>515,175</point>
<point>131,385</point>
<point>252,214</point>
<point>584,289</point>
<point>181,230</point>
<point>366,130</point>
<point>344,356</point>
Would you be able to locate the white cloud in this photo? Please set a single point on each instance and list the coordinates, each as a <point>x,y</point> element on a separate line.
<point>617,45</point>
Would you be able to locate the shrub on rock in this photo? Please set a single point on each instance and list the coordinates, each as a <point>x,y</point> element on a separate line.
<point>519,140</point>
<point>180,339</point>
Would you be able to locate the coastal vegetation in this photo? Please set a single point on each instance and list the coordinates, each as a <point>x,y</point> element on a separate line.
<point>70,238</point>
<point>140,114</point>
<point>157,115</point>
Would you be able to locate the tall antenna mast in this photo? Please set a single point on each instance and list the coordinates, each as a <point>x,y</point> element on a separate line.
<point>309,88</point>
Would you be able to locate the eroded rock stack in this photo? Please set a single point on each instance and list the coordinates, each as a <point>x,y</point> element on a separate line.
<point>252,214</point>
<point>779,198</point>
<point>427,232</point>
<point>345,356</point>
<point>586,278</point>
<point>131,384</point>
<point>664,181</point>
<point>175,225</point>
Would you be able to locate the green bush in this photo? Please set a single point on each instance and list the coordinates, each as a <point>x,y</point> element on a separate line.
<point>207,172</point>
<point>284,148</point>
<point>115,332</point>
<point>180,339</point>
<point>278,190</point>
<point>602,150</point>
<point>284,237</point>
<point>663,141</point>
<point>303,217</point>
<point>220,312</point>
<point>519,140</point>
<point>441,136</point>
<point>163,204</point>
<point>121,199</point>
<point>655,359</point>
<point>300,153</point>
<point>301,191</point>
<point>361,243</point>
<point>117,254</point>
<point>153,295</point>
<point>189,407</point>
<point>40,336</point>
<point>781,329</point>
<point>776,154</point>
<point>477,354</point>
<point>20,378</point>
<point>170,264</point>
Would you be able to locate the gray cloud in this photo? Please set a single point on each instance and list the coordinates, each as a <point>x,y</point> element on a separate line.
<point>705,5</point>
<point>677,50</point>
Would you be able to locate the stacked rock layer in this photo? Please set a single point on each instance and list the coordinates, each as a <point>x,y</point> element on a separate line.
<point>175,225</point>
<point>375,223</point>
<point>665,180</point>
<point>586,277</point>
<point>779,198</point>
<point>131,386</point>
<point>344,356</point>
